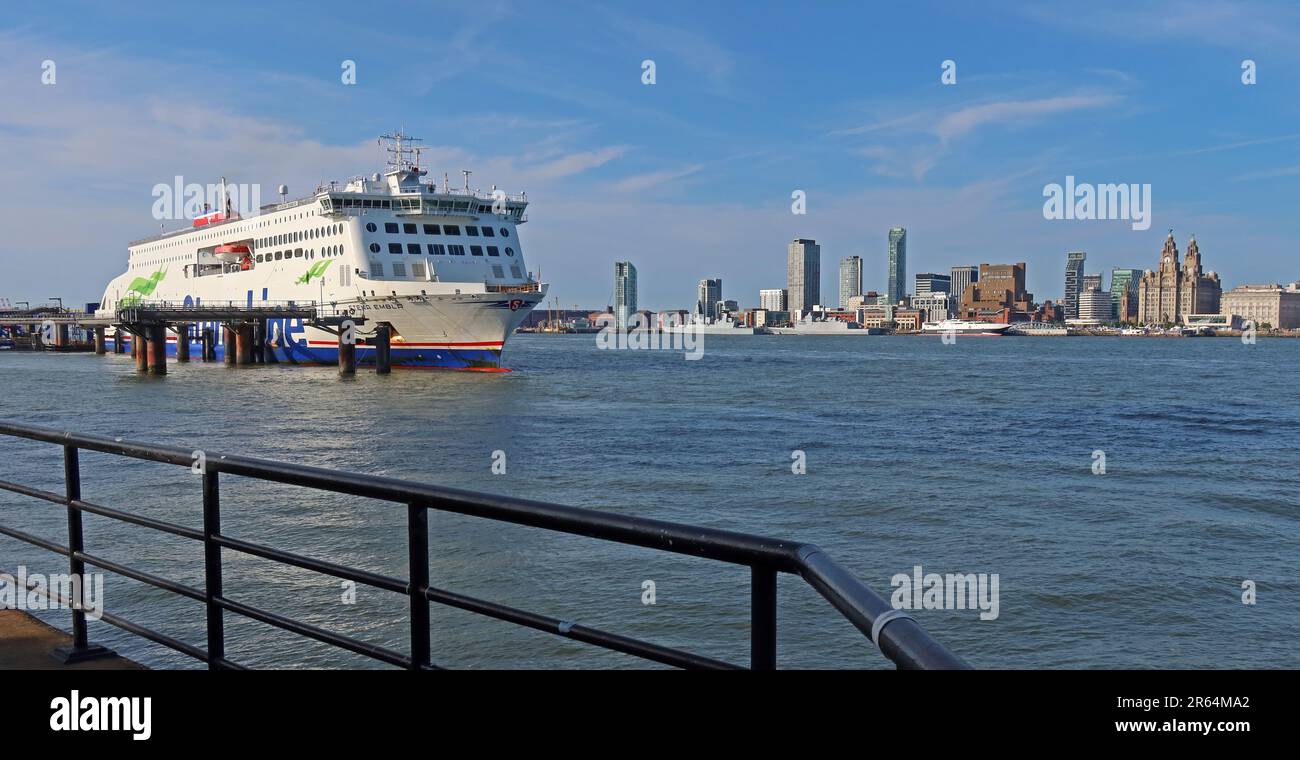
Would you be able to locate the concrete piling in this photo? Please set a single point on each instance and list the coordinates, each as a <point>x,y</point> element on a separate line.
<point>100,348</point>
<point>347,355</point>
<point>228,343</point>
<point>140,352</point>
<point>119,340</point>
<point>182,342</point>
<point>158,349</point>
<point>244,344</point>
<point>383,350</point>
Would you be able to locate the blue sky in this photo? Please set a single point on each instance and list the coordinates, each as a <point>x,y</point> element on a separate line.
<point>690,177</point>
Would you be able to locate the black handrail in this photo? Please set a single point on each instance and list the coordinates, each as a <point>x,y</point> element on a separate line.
<point>900,638</point>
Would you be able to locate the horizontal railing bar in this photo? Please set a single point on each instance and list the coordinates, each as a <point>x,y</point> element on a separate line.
<point>320,634</point>
<point>612,641</point>
<point>103,511</point>
<point>224,664</point>
<point>328,568</point>
<point>143,577</point>
<point>144,522</point>
<point>35,493</point>
<point>709,543</point>
<point>34,541</point>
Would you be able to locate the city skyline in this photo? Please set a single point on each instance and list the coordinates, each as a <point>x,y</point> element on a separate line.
<point>703,163</point>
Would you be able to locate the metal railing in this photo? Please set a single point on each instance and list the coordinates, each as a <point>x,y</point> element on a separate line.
<point>898,637</point>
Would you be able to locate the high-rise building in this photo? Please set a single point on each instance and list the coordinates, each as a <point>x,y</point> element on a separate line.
<point>998,295</point>
<point>1094,307</point>
<point>706,300</point>
<point>961,277</point>
<point>772,299</point>
<point>850,279</point>
<point>803,275</point>
<point>897,265</point>
<point>929,282</point>
<point>624,292</point>
<point>1073,282</point>
<point>1164,296</point>
<point>1123,293</point>
<point>1092,281</point>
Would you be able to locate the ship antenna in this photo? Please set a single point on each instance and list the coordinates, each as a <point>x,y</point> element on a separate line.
<point>466,172</point>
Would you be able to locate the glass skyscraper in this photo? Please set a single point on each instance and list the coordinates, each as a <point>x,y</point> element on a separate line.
<point>850,279</point>
<point>624,292</point>
<point>706,299</point>
<point>896,291</point>
<point>1073,282</point>
<point>961,277</point>
<point>803,275</point>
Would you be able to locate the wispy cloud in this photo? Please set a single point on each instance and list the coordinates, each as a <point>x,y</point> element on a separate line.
<point>648,180</point>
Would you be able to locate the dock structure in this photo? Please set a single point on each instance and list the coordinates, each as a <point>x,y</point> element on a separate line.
<point>244,331</point>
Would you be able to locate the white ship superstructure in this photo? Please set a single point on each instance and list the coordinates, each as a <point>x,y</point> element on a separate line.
<point>443,267</point>
<point>964,327</point>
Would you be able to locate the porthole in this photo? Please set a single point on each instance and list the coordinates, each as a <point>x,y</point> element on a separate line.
<point>370,227</point>
<point>374,247</point>
<point>510,252</point>
<point>505,232</point>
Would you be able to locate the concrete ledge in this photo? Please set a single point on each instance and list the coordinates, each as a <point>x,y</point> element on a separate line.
<point>26,643</point>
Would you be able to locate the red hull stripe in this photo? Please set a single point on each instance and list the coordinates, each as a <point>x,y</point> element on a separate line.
<point>490,343</point>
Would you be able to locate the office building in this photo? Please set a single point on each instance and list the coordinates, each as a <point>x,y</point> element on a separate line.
<point>1270,306</point>
<point>772,299</point>
<point>961,277</point>
<point>1073,283</point>
<point>929,282</point>
<point>707,296</point>
<point>897,265</point>
<point>1165,295</point>
<point>624,292</point>
<point>1123,293</point>
<point>850,279</point>
<point>803,275</point>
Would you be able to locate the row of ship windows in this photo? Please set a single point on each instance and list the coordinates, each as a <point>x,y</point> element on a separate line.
<point>329,250</point>
<point>417,270</point>
<point>436,229</point>
<point>438,249</point>
<point>297,237</point>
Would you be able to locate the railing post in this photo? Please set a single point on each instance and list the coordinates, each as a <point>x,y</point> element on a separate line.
<point>212,569</point>
<point>763,618</point>
<point>81,648</point>
<point>417,530</point>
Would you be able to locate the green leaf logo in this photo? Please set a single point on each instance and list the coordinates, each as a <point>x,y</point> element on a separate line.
<point>317,270</point>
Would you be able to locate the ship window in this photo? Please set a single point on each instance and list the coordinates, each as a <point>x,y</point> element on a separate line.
<point>417,268</point>
<point>259,258</point>
<point>457,250</point>
<point>394,247</point>
<point>399,270</point>
<point>477,250</point>
<point>413,249</point>
<point>370,227</point>
<point>367,203</point>
<point>390,227</point>
<point>385,204</point>
<point>510,252</point>
<point>450,229</point>
<point>279,255</point>
<point>297,253</point>
<point>409,229</point>
<point>471,231</point>
<point>374,247</point>
<point>493,250</point>
<point>437,249</point>
<point>489,232</point>
<point>516,272</point>
<point>376,269</point>
<point>505,232</point>
<point>431,229</point>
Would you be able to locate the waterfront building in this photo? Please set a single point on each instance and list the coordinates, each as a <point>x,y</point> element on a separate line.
<point>624,292</point>
<point>897,265</point>
<point>1271,305</point>
<point>930,282</point>
<point>999,295</point>
<point>850,279</point>
<point>937,306</point>
<point>803,275</point>
<point>1123,293</point>
<point>725,307</point>
<point>1092,281</point>
<point>1094,308</point>
<point>772,299</point>
<point>1177,288</point>
<point>707,296</point>
<point>960,278</point>
<point>1073,282</point>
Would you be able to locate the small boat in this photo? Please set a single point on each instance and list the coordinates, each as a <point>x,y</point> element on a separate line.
<point>964,327</point>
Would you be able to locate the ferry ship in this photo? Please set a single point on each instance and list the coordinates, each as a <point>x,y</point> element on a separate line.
<point>964,327</point>
<point>443,267</point>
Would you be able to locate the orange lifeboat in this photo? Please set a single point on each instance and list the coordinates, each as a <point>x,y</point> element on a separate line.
<point>232,252</point>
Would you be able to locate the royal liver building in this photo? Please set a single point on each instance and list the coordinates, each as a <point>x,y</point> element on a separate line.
<point>1173,291</point>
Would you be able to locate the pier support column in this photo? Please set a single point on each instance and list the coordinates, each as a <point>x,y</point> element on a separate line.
<point>60,336</point>
<point>119,342</point>
<point>158,349</point>
<point>383,350</point>
<point>140,352</point>
<point>100,350</point>
<point>228,343</point>
<point>182,342</point>
<point>244,344</point>
<point>208,345</point>
<point>347,355</point>
<point>259,341</point>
